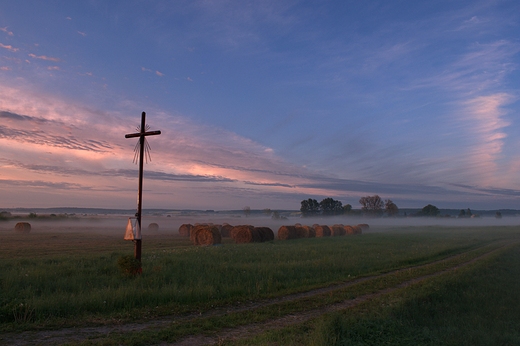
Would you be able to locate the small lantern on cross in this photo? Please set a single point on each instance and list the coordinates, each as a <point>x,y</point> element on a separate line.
<point>142,149</point>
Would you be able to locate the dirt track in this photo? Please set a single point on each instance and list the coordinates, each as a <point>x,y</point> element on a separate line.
<point>74,335</point>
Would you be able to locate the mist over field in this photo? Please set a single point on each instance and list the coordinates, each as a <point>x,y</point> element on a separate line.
<point>169,225</point>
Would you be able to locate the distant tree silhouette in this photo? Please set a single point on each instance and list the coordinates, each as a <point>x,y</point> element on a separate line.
<point>372,205</point>
<point>391,208</point>
<point>330,206</point>
<point>429,210</point>
<point>310,207</point>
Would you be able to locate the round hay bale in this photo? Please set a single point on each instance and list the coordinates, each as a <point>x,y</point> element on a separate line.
<point>349,229</point>
<point>205,235</point>
<point>236,229</point>
<point>193,230</point>
<point>357,230</point>
<point>311,230</point>
<point>225,230</point>
<point>287,232</point>
<point>364,226</point>
<point>266,234</point>
<point>246,234</point>
<point>305,232</point>
<point>337,230</point>
<point>184,229</point>
<point>22,227</point>
<point>300,231</point>
<point>321,230</point>
<point>153,227</point>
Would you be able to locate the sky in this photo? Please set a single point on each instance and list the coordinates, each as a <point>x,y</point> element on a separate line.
<point>260,103</point>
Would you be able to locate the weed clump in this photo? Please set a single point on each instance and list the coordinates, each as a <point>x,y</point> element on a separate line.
<point>129,265</point>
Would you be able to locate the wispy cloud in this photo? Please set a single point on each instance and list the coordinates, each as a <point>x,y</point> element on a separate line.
<point>17,117</point>
<point>157,73</point>
<point>9,47</point>
<point>82,33</point>
<point>10,33</point>
<point>44,138</point>
<point>482,117</point>
<point>471,23</point>
<point>44,184</point>
<point>44,57</point>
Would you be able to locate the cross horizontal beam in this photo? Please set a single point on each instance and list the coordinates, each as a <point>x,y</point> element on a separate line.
<point>139,134</point>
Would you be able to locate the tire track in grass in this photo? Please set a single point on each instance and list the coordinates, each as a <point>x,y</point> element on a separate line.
<point>78,334</point>
<point>248,331</point>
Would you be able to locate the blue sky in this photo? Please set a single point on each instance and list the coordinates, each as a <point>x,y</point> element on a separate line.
<point>260,104</point>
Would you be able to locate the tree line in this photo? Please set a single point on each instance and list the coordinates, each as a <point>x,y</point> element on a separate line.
<point>370,206</point>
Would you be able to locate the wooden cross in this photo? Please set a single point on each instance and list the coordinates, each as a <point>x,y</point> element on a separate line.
<point>141,134</point>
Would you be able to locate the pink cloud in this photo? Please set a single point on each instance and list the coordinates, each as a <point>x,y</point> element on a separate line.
<point>9,47</point>
<point>482,118</point>
<point>44,57</point>
<point>10,33</point>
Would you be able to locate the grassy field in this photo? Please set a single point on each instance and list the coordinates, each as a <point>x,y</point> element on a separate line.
<point>478,305</point>
<point>56,280</point>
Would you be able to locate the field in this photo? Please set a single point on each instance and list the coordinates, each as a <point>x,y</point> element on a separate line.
<point>443,284</point>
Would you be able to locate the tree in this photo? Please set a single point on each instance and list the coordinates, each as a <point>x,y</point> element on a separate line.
<point>347,208</point>
<point>462,213</point>
<point>247,210</point>
<point>372,205</point>
<point>429,210</point>
<point>310,207</point>
<point>391,208</point>
<point>498,215</point>
<point>330,206</point>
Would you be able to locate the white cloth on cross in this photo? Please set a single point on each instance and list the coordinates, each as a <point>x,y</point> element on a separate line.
<point>133,231</point>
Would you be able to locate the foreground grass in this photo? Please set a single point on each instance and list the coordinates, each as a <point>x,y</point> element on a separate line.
<point>270,311</point>
<point>477,305</point>
<point>77,282</point>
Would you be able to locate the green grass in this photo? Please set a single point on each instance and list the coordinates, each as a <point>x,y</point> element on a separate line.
<point>52,280</point>
<point>477,305</point>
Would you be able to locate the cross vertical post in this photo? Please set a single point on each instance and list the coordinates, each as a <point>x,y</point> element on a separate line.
<point>141,134</point>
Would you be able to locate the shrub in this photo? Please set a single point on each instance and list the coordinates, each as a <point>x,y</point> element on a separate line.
<point>129,265</point>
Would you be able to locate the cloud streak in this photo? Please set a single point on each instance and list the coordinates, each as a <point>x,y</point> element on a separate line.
<point>9,47</point>
<point>44,57</point>
<point>10,33</point>
<point>47,136</point>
